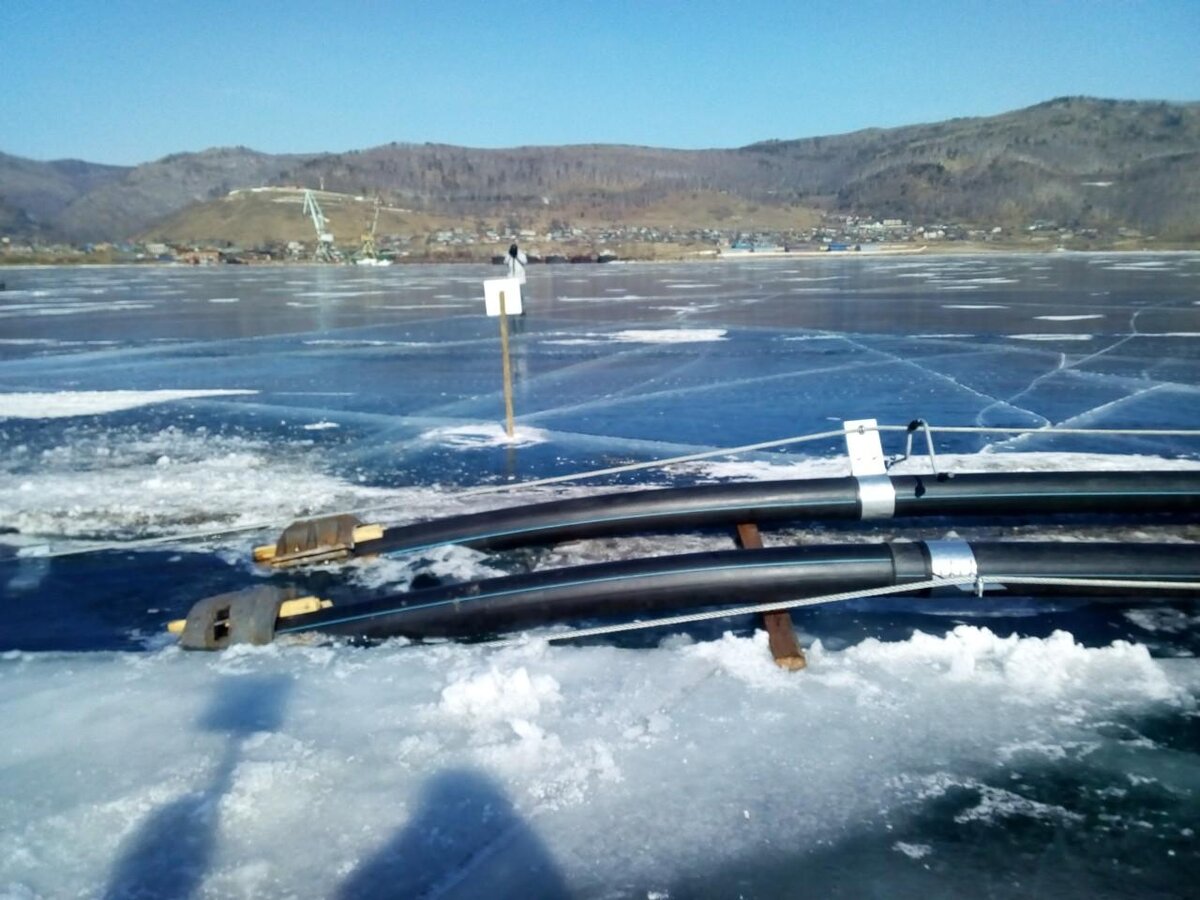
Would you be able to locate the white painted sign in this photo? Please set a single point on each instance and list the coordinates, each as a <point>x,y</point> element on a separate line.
<point>512,296</point>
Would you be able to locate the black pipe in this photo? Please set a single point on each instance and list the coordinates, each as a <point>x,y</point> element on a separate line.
<point>1047,493</point>
<point>626,587</point>
<point>772,502</point>
<point>733,577</point>
<point>1123,562</point>
<point>628,512</point>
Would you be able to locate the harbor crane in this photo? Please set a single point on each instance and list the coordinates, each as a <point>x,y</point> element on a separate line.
<point>368,254</point>
<point>324,251</point>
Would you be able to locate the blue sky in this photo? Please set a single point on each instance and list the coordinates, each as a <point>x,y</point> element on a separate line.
<point>128,81</point>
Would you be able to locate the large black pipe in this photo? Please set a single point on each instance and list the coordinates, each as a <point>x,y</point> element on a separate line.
<point>772,502</point>
<point>735,577</point>
<point>1048,493</point>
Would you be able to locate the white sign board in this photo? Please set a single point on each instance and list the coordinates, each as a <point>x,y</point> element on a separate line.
<point>512,296</point>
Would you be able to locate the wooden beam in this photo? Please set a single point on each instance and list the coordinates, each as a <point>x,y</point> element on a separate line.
<point>781,636</point>
<point>508,386</point>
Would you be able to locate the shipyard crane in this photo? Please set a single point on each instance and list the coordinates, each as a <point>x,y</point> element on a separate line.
<point>368,238</point>
<point>368,254</point>
<point>324,251</point>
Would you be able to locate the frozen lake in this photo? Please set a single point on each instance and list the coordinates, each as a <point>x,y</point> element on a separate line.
<point>920,755</point>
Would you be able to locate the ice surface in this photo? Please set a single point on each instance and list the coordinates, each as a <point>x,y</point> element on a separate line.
<point>63,404</point>
<point>670,336</point>
<point>522,760</point>
<point>484,435</point>
<point>923,753</point>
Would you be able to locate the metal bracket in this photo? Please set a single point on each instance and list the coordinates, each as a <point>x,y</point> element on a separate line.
<point>908,442</point>
<point>876,495</point>
<point>864,447</point>
<point>952,559</point>
<point>317,540</point>
<point>241,617</point>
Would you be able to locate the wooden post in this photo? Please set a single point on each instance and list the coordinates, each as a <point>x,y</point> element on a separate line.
<point>508,397</point>
<point>780,634</point>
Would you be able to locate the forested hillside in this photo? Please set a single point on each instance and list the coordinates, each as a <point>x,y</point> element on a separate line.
<point>1099,163</point>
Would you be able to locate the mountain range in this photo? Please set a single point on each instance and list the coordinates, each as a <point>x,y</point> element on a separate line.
<point>1083,161</point>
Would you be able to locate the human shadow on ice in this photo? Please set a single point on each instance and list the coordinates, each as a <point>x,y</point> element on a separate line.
<point>464,840</point>
<point>170,852</point>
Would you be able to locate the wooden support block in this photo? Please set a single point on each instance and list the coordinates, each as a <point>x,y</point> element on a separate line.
<point>781,636</point>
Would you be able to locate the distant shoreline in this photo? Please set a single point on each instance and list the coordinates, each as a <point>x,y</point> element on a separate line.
<point>957,248</point>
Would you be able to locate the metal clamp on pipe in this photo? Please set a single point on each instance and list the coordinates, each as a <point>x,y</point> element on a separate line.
<point>876,496</point>
<point>317,540</point>
<point>241,617</point>
<point>952,560</point>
